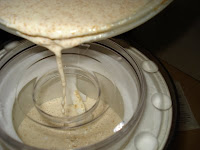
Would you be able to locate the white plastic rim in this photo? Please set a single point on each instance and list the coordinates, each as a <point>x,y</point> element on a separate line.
<point>155,124</point>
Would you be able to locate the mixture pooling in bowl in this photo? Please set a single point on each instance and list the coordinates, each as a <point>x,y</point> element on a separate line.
<point>34,134</point>
<point>58,25</point>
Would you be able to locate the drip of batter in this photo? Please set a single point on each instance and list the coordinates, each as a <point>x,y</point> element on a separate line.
<point>63,81</point>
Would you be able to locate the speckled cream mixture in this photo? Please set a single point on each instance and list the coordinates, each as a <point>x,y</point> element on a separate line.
<point>36,135</point>
<point>58,24</point>
<point>61,24</point>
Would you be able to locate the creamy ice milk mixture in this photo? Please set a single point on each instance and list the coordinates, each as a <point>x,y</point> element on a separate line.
<point>36,135</point>
<point>61,24</point>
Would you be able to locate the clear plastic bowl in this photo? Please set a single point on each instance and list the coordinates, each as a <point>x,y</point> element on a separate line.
<point>120,79</point>
<point>149,9</point>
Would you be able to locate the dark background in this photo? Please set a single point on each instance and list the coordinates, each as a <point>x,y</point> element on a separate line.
<point>173,36</point>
